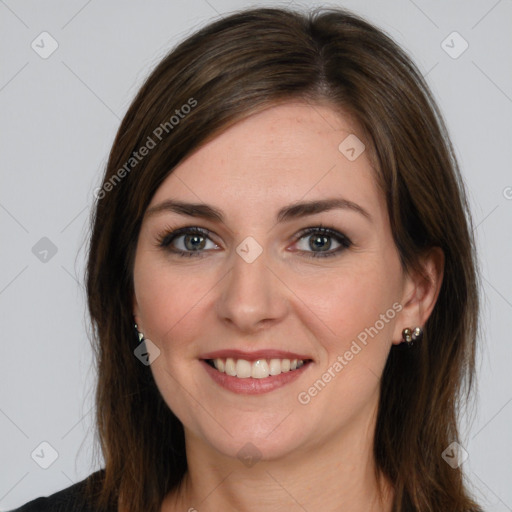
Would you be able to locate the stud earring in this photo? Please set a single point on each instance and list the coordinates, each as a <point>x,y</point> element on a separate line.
<point>409,336</point>
<point>139,334</point>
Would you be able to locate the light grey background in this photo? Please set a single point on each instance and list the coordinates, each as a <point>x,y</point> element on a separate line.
<point>59,117</point>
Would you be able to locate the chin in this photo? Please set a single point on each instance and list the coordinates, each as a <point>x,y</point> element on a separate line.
<point>250,449</point>
<point>250,435</point>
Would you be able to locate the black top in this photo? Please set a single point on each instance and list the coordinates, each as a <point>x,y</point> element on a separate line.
<point>70,499</point>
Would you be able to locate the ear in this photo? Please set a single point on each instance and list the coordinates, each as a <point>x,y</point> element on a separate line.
<point>420,291</point>
<point>135,310</point>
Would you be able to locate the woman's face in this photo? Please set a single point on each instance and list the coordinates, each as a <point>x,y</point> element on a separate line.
<point>254,291</point>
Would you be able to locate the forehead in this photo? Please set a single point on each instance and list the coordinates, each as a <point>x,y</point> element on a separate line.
<point>283,154</point>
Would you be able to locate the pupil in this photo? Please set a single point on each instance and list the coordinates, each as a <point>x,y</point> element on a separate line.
<point>194,239</point>
<point>320,242</point>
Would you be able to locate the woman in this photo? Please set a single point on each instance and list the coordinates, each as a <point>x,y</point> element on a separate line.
<point>282,280</point>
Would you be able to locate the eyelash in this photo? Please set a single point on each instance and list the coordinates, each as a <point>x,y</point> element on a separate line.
<point>168,236</point>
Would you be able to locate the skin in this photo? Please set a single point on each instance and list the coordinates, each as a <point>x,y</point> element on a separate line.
<point>316,456</point>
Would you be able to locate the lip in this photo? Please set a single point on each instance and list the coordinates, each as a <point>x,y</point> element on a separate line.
<point>251,386</point>
<point>255,355</point>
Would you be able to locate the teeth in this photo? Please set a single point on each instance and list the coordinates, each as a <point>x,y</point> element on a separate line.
<point>275,366</point>
<point>258,369</point>
<point>243,369</point>
<point>230,367</point>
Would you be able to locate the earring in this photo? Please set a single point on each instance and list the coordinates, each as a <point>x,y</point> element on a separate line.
<point>139,334</point>
<point>410,336</point>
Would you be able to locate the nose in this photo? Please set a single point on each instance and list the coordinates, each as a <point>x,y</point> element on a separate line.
<point>252,296</point>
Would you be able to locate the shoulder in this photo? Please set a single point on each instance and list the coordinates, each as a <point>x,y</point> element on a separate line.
<point>71,499</point>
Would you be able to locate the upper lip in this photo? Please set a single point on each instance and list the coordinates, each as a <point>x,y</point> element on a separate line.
<point>253,356</point>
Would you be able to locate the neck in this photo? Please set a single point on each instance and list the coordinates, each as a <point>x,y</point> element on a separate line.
<point>338,476</point>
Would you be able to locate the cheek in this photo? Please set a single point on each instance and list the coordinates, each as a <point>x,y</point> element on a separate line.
<point>163,297</point>
<point>357,307</point>
<point>171,304</point>
<point>358,314</point>
<point>352,298</point>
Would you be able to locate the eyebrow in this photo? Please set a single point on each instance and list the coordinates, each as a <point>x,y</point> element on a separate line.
<point>288,213</point>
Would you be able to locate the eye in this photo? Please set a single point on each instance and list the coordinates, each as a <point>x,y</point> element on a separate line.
<point>318,242</point>
<point>189,241</point>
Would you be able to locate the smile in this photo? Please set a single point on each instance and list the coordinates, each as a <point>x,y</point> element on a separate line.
<point>255,372</point>
<point>258,369</point>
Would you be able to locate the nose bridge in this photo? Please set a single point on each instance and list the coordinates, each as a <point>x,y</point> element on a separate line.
<point>251,294</point>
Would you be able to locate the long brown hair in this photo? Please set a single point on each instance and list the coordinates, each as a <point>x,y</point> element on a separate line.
<point>238,65</point>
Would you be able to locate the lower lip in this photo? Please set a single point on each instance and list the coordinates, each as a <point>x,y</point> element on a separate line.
<point>251,386</point>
